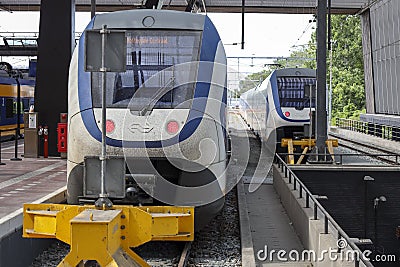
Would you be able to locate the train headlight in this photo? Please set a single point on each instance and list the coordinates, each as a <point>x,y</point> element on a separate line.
<point>172,127</point>
<point>287,114</point>
<point>110,126</point>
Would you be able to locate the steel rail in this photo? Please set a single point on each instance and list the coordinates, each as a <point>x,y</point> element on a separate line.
<point>185,255</point>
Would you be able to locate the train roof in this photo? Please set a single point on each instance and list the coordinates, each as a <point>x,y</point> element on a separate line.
<point>295,72</point>
<point>248,92</point>
<point>10,80</point>
<point>150,19</point>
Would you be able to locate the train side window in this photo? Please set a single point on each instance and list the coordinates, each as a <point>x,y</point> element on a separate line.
<point>15,108</point>
<point>25,105</point>
<point>9,108</point>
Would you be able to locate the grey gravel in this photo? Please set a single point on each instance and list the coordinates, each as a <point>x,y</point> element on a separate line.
<point>52,256</point>
<point>351,155</point>
<point>218,244</point>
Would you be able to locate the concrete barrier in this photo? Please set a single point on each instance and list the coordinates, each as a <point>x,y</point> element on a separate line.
<point>310,231</point>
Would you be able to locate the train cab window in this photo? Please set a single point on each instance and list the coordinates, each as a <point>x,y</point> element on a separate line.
<point>291,91</point>
<point>9,108</point>
<point>153,77</point>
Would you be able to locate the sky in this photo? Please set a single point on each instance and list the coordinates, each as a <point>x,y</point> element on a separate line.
<point>266,35</point>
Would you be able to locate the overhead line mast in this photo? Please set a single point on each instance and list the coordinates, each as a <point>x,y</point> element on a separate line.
<point>321,119</point>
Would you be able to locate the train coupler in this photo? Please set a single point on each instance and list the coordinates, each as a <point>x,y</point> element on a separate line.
<point>107,236</point>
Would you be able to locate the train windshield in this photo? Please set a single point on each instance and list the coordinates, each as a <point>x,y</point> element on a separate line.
<point>295,92</point>
<point>155,76</point>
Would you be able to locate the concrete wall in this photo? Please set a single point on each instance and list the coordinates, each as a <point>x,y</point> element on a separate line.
<point>348,201</point>
<point>310,231</point>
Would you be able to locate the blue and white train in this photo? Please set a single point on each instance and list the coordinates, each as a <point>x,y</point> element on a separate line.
<point>280,106</point>
<point>166,113</point>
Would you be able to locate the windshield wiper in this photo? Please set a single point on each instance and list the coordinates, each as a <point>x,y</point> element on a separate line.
<point>156,97</point>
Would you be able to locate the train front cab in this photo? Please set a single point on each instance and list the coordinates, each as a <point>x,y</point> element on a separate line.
<point>293,93</point>
<point>175,125</point>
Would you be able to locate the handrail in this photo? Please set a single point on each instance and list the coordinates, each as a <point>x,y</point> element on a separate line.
<point>317,206</point>
<point>379,130</point>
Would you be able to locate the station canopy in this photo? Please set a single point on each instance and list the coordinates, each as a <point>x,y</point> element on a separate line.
<point>227,6</point>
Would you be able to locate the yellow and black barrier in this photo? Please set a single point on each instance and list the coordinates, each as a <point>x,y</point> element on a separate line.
<point>107,236</point>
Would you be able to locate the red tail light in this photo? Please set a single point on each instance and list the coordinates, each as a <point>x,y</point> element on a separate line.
<point>110,126</point>
<point>287,114</point>
<point>172,127</point>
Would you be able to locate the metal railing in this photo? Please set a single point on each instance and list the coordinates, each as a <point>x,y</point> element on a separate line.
<point>378,130</point>
<point>303,190</point>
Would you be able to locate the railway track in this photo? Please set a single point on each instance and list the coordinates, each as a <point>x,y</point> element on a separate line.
<point>185,255</point>
<point>156,254</point>
<point>217,245</point>
<point>378,153</point>
<point>159,254</point>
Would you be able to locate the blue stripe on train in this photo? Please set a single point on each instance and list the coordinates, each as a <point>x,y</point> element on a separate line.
<point>275,95</point>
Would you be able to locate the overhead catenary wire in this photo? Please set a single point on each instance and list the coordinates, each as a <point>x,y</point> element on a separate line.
<point>308,26</point>
<point>204,6</point>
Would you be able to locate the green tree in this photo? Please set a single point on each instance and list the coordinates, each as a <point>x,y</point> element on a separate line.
<point>252,80</point>
<point>348,96</point>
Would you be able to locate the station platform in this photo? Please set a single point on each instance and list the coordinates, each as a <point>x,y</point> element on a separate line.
<point>27,181</point>
<point>264,222</point>
<point>270,226</point>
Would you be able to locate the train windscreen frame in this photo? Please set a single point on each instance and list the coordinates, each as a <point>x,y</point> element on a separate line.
<point>291,92</point>
<point>151,57</point>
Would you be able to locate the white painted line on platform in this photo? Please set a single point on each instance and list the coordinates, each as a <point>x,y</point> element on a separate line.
<point>7,195</point>
<point>13,192</point>
<point>11,147</point>
<point>20,189</point>
<point>31,174</point>
<point>13,221</point>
